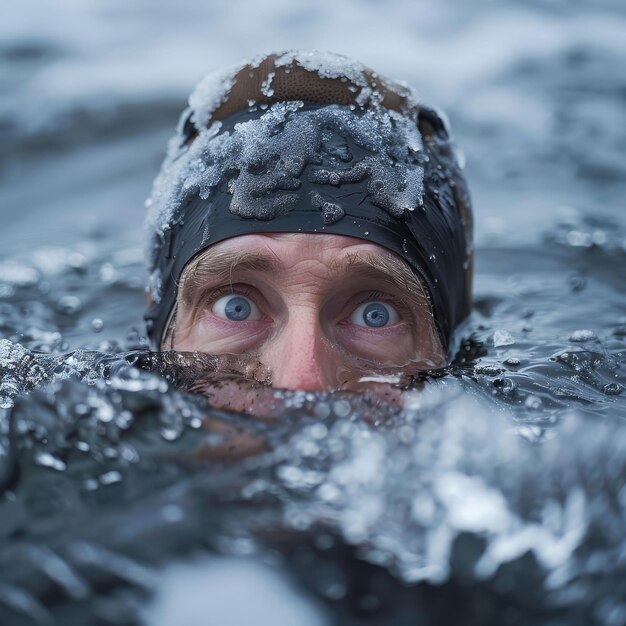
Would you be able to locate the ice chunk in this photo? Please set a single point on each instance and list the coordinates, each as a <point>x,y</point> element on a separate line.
<point>266,87</point>
<point>364,95</point>
<point>580,336</point>
<point>503,338</point>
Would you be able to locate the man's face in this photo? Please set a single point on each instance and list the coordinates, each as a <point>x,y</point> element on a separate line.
<point>316,309</point>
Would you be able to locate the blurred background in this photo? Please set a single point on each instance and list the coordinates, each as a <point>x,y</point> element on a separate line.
<point>91,90</point>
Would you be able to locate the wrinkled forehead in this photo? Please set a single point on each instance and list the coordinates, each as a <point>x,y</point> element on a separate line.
<point>330,256</point>
<point>286,247</point>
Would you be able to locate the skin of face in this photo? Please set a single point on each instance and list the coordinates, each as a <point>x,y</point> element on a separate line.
<point>316,309</point>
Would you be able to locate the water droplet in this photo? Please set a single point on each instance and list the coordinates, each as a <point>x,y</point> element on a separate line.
<point>110,478</point>
<point>341,408</point>
<point>6,402</point>
<point>530,433</point>
<point>321,410</point>
<point>172,513</point>
<point>129,454</point>
<point>612,389</point>
<point>406,434</point>
<point>48,460</point>
<point>504,387</point>
<point>335,591</point>
<point>170,434</point>
<point>110,453</point>
<point>577,282</point>
<point>69,305</point>
<point>97,324</point>
<point>124,419</point>
<point>319,431</point>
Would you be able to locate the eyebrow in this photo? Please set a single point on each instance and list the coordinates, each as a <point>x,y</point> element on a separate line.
<point>211,267</point>
<point>391,270</point>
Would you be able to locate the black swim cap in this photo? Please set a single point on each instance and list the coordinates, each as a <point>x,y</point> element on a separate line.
<point>317,143</point>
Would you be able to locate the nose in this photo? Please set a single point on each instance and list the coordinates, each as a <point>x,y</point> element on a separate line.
<point>301,358</point>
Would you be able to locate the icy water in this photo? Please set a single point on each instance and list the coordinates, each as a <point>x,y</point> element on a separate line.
<point>490,493</point>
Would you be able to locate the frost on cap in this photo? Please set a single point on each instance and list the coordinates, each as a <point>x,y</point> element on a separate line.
<point>263,188</point>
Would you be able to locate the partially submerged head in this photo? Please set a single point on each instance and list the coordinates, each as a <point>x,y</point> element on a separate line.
<point>311,214</point>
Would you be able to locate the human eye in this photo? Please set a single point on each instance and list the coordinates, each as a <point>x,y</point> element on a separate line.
<point>375,314</point>
<point>236,308</point>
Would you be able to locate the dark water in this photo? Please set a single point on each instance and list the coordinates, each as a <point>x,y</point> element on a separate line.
<point>492,493</point>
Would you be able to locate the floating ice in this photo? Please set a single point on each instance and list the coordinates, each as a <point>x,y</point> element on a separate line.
<point>47,460</point>
<point>580,336</point>
<point>503,338</point>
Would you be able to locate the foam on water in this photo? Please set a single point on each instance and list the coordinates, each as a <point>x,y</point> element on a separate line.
<point>445,469</point>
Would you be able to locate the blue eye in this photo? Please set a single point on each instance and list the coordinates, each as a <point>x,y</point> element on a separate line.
<point>236,308</point>
<point>374,315</point>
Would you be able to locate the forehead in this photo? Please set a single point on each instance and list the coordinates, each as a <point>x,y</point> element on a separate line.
<point>323,258</point>
<point>287,249</point>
